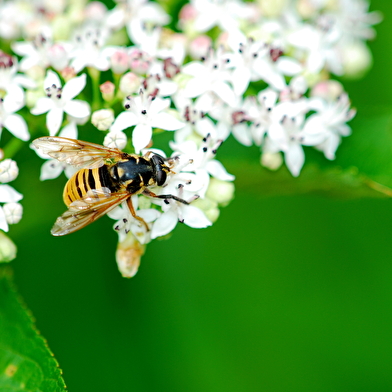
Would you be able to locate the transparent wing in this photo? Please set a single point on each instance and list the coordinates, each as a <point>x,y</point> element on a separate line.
<point>82,212</point>
<point>76,152</point>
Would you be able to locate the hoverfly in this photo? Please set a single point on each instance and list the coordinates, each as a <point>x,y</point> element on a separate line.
<point>106,177</point>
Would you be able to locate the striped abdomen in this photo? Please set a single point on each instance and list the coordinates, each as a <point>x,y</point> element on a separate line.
<point>84,180</point>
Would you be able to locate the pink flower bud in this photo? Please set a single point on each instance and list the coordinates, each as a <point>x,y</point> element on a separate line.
<point>188,12</point>
<point>199,46</point>
<point>139,61</point>
<point>68,73</point>
<point>107,90</point>
<point>95,11</point>
<point>119,61</point>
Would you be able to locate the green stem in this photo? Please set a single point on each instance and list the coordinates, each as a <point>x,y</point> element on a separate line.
<point>12,147</point>
<point>97,96</point>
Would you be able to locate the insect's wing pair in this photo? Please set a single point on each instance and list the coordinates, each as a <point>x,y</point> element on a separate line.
<point>86,155</point>
<point>82,155</point>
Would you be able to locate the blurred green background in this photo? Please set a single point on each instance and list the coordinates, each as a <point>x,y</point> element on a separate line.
<point>281,294</point>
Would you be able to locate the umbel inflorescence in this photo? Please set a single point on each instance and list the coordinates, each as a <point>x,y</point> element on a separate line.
<point>259,71</point>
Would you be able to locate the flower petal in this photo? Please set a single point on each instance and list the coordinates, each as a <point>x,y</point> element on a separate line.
<point>51,169</point>
<point>166,121</point>
<point>70,131</point>
<point>73,87</point>
<point>194,217</point>
<point>54,119</point>
<point>294,159</point>
<point>51,79</point>
<point>77,108</point>
<point>141,136</point>
<point>124,120</point>
<point>217,170</point>
<point>43,105</point>
<point>164,224</point>
<point>224,92</point>
<point>9,194</point>
<point>240,79</point>
<point>16,124</point>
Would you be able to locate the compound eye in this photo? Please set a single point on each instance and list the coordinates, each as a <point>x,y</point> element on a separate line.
<point>157,160</point>
<point>161,177</point>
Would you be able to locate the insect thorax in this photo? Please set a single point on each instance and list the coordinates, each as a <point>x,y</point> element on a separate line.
<point>134,173</point>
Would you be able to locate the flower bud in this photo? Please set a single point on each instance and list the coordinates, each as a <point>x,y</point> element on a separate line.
<point>129,83</point>
<point>357,59</point>
<point>306,8</point>
<point>13,212</point>
<point>107,90</point>
<point>199,46</point>
<point>188,13</point>
<point>32,96</point>
<point>116,139</point>
<point>209,207</point>
<point>36,72</point>
<point>7,248</point>
<point>272,8</point>
<point>119,61</point>
<point>95,11</point>
<point>139,61</point>
<point>128,254</point>
<point>58,57</point>
<point>8,170</point>
<point>68,73</point>
<point>328,90</point>
<point>220,191</point>
<point>102,119</point>
<point>271,160</point>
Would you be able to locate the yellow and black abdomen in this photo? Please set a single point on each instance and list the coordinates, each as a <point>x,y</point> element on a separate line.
<point>85,180</point>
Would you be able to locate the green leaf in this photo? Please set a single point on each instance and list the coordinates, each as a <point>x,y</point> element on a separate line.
<point>363,167</point>
<point>26,363</point>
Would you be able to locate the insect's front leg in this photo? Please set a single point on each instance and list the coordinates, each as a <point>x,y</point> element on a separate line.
<point>147,192</point>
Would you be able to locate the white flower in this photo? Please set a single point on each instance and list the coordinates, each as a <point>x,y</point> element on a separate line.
<point>202,164</point>
<point>15,123</point>
<point>146,113</point>
<point>175,211</point>
<point>285,134</point>
<point>52,168</point>
<point>246,58</point>
<point>325,128</point>
<point>321,48</point>
<point>42,52</point>
<point>10,80</point>
<point>195,120</point>
<point>233,120</point>
<point>210,76</point>
<point>225,14</point>
<point>127,223</point>
<point>136,12</point>
<point>89,49</point>
<point>60,100</point>
<point>8,170</point>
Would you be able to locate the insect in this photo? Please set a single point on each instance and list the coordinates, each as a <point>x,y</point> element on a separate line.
<point>106,177</point>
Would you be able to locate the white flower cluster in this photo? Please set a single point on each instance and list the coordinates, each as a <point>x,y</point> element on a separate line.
<point>259,71</point>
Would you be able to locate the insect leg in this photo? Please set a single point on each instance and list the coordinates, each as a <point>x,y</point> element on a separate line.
<point>147,192</point>
<point>132,211</point>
